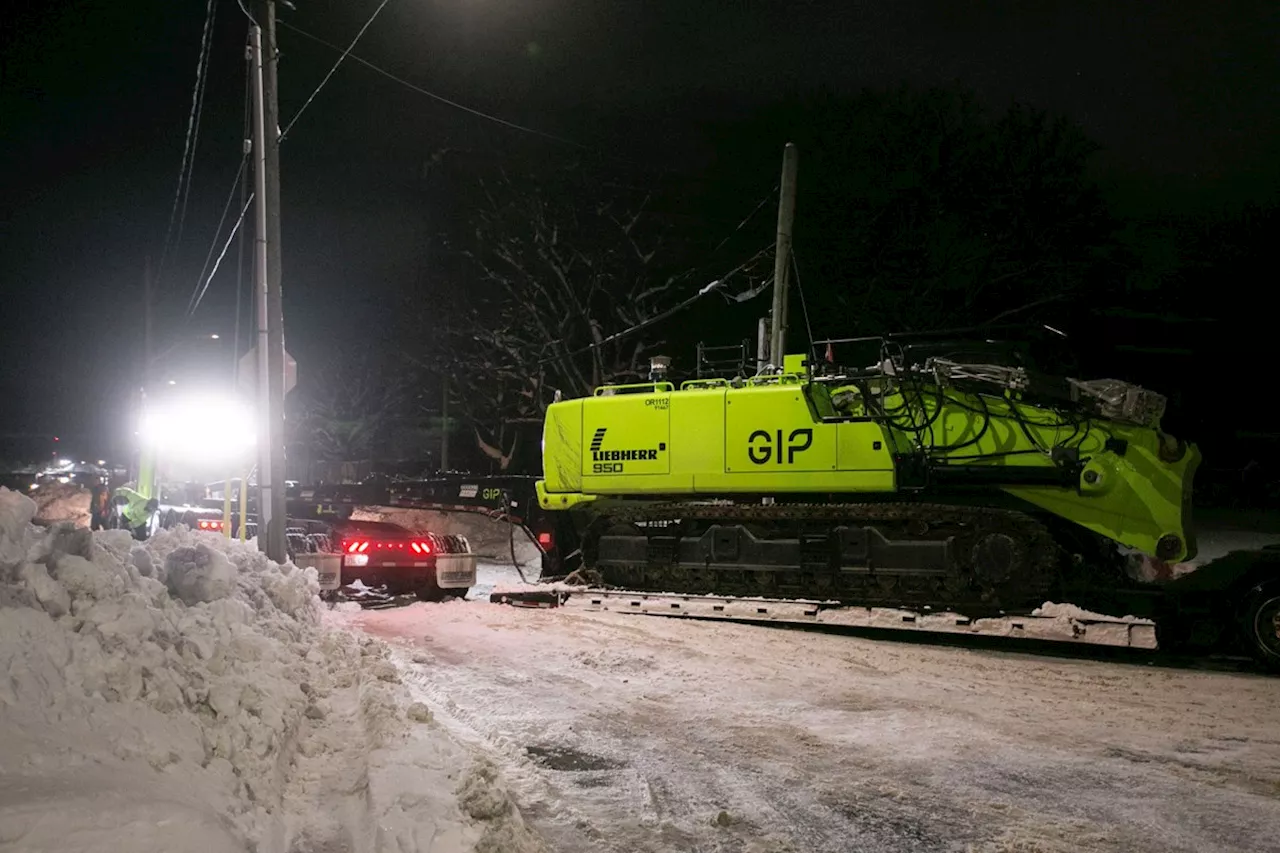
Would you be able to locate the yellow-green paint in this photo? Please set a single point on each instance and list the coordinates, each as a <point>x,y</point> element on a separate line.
<point>790,435</point>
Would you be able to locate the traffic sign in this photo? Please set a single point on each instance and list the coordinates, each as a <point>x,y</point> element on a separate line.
<point>248,371</point>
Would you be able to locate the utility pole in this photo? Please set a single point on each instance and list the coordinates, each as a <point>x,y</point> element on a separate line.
<point>444,425</point>
<point>275,299</point>
<point>782,256</point>
<point>267,270</point>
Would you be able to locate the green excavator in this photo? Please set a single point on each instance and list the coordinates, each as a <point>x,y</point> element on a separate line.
<point>981,487</point>
<point>921,481</point>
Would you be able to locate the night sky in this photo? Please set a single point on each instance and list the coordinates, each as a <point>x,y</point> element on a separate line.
<point>95,96</point>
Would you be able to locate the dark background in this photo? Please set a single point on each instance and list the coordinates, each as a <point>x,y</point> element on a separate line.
<point>94,100</point>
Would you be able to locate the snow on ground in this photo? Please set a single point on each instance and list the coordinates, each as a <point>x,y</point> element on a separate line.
<point>186,694</point>
<point>644,734</point>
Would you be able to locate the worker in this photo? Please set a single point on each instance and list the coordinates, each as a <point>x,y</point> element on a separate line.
<point>136,511</point>
<point>99,506</point>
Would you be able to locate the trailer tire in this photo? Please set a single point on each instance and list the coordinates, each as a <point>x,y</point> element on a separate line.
<point>1260,623</point>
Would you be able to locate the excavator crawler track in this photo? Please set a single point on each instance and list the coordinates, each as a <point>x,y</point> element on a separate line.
<point>976,560</point>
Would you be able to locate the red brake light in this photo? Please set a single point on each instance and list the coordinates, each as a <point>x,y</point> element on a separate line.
<point>544,540</point>
<point>421,547</point>
<point>209,524</point>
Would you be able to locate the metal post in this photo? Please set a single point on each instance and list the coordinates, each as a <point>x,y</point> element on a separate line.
<point>226,506</point>
<point>762,345</point>
<point>782,255</point>
<point>244,505</point>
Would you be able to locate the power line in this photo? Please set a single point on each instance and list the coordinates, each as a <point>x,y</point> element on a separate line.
<point>202,282</point>
<point>180,194</point>
<point>247,13</point>
<point>433,95</point>
<point>804,304</point>
<point>234,230</point>
<point>344,55</point>
<point>199,114</point>
<point>744,222</point>
<point>714,286</point>
<point>198,293</point>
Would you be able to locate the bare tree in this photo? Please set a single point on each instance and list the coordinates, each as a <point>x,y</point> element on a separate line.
<point>347,410</point>
<point>559,266</point>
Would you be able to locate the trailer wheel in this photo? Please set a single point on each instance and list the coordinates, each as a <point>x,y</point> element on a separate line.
<point>1261,623</point>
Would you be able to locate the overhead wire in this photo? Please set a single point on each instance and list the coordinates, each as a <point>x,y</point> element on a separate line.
<point>345,54</point>
<point>199,114</point>
<point>244,203</point>
<point>348,52</point>
<point>234,230</point>
<point>744,222</point>
<point>713,287</point>
<point>247,13</point>
<point>440,98</point>
<point>202,283</point>
<point>804,304</point>
<point>185,170</point>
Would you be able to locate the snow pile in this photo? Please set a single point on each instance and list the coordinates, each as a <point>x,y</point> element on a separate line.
<point>61,502</point>
<point>184,694</point>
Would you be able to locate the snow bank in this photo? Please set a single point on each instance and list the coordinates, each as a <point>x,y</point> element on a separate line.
<point>61,502</point>
<point>185,694</point>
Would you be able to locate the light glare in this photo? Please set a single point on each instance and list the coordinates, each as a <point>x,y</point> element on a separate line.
<point>201,428</point>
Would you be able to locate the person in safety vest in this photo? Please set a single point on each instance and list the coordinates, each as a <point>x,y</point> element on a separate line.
<point>136,511</point>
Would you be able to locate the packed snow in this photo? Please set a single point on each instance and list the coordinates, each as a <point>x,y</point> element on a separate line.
<point>187,694</point>
<point>644,734</point>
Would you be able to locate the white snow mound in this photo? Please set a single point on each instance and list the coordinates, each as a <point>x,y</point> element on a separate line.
<point>184,694</point>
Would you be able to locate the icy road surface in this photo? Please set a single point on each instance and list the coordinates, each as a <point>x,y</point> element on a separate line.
<point>640,733</point>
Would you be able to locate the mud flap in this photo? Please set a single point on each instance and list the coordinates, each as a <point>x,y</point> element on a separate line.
<point>539,598</point>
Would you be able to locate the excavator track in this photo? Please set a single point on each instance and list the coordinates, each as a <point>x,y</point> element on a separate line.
<point>975,560</point>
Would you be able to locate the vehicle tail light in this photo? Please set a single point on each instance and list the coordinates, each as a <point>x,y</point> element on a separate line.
<point>363,546</point>
<point>545,541</point>
<point>209,524</point>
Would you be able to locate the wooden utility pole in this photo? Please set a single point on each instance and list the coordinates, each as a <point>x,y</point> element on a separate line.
<point>444,425</point>
<point>267,271</point>
<point>782,256</point>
